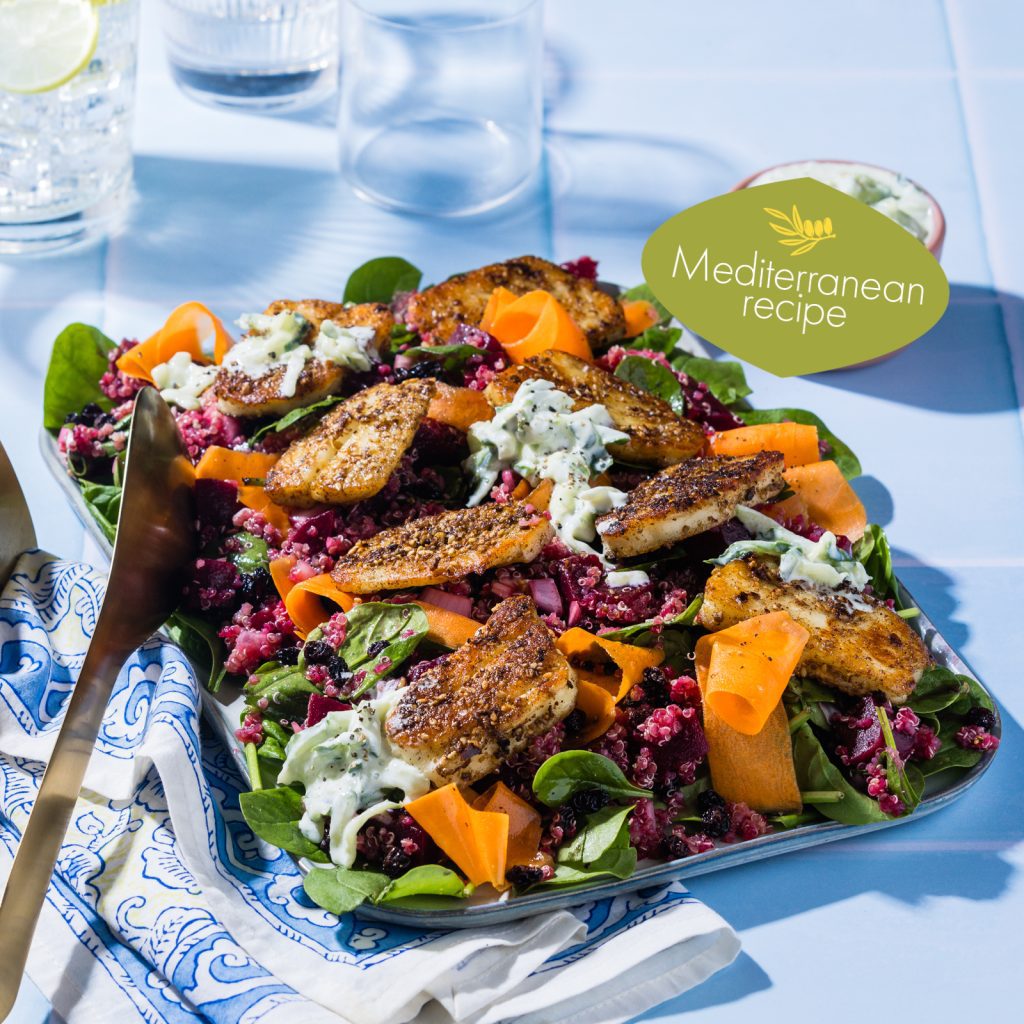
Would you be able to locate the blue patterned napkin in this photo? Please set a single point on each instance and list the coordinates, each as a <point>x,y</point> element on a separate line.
<point>165,907</point>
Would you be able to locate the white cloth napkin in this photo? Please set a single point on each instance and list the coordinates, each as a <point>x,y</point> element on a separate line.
<point>165,907</point>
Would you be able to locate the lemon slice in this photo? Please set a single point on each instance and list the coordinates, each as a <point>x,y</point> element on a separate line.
<point>45,43</point>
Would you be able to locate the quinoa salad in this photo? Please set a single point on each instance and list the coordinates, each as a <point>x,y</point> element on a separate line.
<point>518,593</point>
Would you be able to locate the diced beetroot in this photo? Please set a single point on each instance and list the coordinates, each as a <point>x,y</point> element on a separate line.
<point>214,584</point>
<point>438,443</point>
<point>320,707</point>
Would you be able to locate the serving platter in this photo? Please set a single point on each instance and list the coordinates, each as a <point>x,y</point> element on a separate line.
<point>224,708</point>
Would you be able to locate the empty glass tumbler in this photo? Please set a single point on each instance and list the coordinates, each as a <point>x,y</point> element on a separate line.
<point>67,89</point>
<point>257,54</point>
<point>441,101</point>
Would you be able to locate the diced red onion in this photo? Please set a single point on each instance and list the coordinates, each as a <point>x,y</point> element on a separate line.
<point>545,595</point>
<point>502,590</point>
<point>453,602</point>
<point>403,362</point>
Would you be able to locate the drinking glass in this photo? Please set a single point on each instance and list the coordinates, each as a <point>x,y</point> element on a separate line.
<point>65,154</point>
<point>258,54</point>
<point>441,105</point>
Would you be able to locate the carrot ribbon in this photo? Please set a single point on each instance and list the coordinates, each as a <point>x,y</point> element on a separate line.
<point>188,329</point>
<point>529,324</point>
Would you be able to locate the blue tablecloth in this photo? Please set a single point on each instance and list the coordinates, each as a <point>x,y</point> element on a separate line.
<point>650,108</point>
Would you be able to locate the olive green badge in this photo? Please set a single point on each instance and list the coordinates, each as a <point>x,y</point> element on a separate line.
<point>795,277</point>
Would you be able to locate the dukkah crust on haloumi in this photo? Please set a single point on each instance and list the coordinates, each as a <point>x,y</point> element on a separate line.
<point>507,684</point>
<point>657,436</point>
<point>855,651</point>
<point>444,548</point>
<point>687,499</point>
<point>462,299</point>
<point>239,394</point>
<point>353,451</point>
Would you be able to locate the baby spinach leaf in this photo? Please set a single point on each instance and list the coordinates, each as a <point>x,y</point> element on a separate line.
<point>937,689</point>
<point>559,777</point>
<point>398,627</point>
<point>77,362</point>
<point>872,551</point>
<point>198,639</point>
<point>815,772</point>
<point>425,880</point>
<point>285,688</point>
<point>653,377</point>
<point>295,415</point>
<point>975,696</point>
<point>380,279</point>
<point>617,863</point>
<point>604,831</point>
<point>839,451</point>
<point>725,379</point>
<point>341,890</point>
<point>950,755</point>
<point>104,504</point>
<point>452,357</point>
<point>273,815</point>
<point>643,292</point>
<point>253,556</point>
<point>657,339</point>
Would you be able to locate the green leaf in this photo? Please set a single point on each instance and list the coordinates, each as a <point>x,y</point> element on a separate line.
<point>400,627</point>
<point>950,755</point>
<point>295,415</point>
<point>253,556</point>
<point>937,689</point>
<point>77,362</point>
<point>605,830</point>
<point>425,880</point>
<point>643,292</point>
<point>104,504</point>
<point>976,696</point>
<point>380,279</point>
<point>815,771</point>
<point>285,688</point>
<point>273,815</point>
<point>341,890</point>
<point>839,451</point>
<point>724,378</point>
<point>657,339</point>
<point>653,377</point>
<point>872,551</point>
<point>559,777</point>
<point>198,639</point>
<point>452,357</point>
<point>617,863</point>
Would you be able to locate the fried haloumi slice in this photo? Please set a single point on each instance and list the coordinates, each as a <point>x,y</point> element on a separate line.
<point>657,436</point>
<point>239,394</point>
<point>507,684</point>
<point>687,499</point>
<point>444,548</point>
<point>854,650</point>
<point>353,451</point>
<point>462,299</point>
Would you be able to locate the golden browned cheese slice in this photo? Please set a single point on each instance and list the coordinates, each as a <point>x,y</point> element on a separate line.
<point>238,394</point>
<point>507,684</point>
<point>444,548</point>
<point>853,650</point>
<point>352,452</point>
<point>462,299</point>
<point>688,499</point>
<point>657,436</point>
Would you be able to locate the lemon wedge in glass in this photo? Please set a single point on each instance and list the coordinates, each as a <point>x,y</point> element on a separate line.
<point>45,43</point>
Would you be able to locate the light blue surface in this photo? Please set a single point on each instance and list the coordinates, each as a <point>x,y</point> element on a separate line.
<point>651,107</point>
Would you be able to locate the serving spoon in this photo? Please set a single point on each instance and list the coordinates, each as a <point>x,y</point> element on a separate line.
<point>155,542</point>
<point>17,534</point>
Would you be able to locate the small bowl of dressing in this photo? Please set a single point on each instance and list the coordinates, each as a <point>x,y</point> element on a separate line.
<point>899,198</point>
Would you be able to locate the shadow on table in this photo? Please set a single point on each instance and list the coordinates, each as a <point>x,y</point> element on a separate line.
<point>962,365</point>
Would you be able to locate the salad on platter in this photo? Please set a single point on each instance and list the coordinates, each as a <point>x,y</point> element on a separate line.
<point>517,592</point>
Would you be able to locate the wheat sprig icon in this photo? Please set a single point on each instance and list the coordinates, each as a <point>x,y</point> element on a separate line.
<point>800,235</point>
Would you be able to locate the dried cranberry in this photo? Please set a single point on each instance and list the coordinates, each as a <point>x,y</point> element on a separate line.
<point>423,368</point>
<point>587,801</point>
<point>396,862</point>
<point>714,813</point>
<point>338,668</point>
<point>574,722</point>
<point>317,652</point>
<point>981,717</point>
<point>256,585</point>
<point>524,875</point>
<point>287,656</point>
<point>375,648</point>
